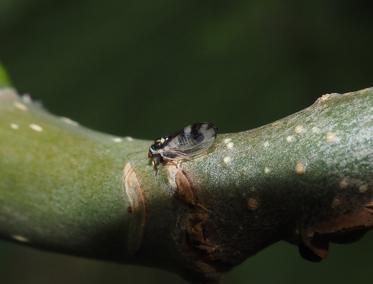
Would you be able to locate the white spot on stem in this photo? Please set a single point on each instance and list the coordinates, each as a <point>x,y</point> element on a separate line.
<point>36,127</point>
<point>290,138</point>
<point>227,159</point>
<point>230,145</point>
<point>117,139</point>
<point>299,129</point>
<point>267,170</point>
<point>266,144</point>
<point>20,238</point>
<point>227,140</point>
<point>300,169</point>
<point>129,138</point>
<point>20,106</point>
<point>330,137</point>
<point>14,126</point>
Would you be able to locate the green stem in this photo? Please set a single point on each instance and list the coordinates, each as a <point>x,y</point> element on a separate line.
<point>306,178</point>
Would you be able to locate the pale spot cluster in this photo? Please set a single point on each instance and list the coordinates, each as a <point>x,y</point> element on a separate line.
<point>266,144</point>
<point>300,168</point>
<point>229,144</point>
<point>329,137</point>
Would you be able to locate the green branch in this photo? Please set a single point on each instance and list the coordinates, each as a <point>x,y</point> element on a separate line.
<point>307,179</point>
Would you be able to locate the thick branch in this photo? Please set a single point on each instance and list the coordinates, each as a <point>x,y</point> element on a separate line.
<point>306,178</point>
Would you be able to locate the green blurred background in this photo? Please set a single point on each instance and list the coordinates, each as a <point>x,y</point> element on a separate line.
<point>144,68</point>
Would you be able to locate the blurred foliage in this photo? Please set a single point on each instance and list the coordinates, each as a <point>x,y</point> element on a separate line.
<point>145,68</point>
<point>4,80</point>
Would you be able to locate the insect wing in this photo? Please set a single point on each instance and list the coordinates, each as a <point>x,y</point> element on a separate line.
<point>190,141</point>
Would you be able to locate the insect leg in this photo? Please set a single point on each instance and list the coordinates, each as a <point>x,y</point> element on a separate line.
<point>157,160</point>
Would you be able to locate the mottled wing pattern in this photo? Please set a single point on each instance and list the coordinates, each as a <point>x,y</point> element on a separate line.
<point>191,141</point>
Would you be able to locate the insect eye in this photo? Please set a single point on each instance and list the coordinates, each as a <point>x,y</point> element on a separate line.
<point>156,146</point>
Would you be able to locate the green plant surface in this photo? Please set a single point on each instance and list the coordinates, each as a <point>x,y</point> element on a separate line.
<point>69,189</point>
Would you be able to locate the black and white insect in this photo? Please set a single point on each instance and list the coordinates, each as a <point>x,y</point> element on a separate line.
<point>189,142</point>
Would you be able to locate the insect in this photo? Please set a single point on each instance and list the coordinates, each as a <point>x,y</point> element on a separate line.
<point>189,142</point>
